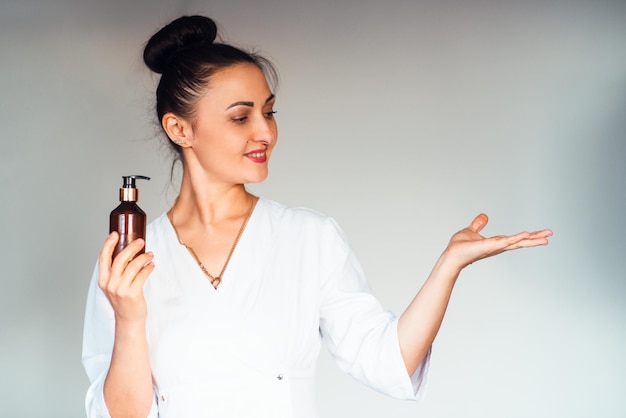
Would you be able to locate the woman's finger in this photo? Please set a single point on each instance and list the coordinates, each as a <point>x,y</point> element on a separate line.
<point>531,240</point>
<point>124,257</point>
<point>105,258</point>
<point>479,223</point>
<point>544,233</point>
<point>136,267</point>
<point>143,274</point>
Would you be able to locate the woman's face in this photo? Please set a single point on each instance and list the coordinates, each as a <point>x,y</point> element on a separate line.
<point>234,130</point>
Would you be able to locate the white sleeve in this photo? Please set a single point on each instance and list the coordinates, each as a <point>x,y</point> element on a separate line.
<point>98,337</point>
<point>360,334</point>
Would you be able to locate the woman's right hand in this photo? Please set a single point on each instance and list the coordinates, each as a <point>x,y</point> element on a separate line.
<point>122,278</point>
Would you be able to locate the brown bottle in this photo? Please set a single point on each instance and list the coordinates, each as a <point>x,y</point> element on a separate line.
<point>128,219</point>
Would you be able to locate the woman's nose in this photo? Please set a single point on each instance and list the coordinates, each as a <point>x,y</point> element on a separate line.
<point>265,131</point>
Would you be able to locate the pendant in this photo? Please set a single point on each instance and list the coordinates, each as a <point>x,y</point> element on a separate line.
<point>216,282</point>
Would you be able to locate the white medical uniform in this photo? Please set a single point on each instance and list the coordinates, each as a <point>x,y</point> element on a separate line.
<point>249,348</point>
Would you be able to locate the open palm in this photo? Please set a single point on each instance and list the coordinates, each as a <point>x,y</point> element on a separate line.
<point>468,245</point>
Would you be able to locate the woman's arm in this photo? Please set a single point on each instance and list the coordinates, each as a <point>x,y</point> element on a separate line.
<point>420,322</point>
<point>128,388</point>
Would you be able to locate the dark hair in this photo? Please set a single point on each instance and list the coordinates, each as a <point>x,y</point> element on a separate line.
<point>186,55</point>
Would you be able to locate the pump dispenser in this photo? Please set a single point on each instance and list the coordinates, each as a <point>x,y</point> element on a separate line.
<point>128,219</point>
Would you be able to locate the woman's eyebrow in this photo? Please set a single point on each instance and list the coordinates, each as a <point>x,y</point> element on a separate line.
<point>251,104</point>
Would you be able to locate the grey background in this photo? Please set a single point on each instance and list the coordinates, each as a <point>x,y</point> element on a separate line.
<point>401,119</point>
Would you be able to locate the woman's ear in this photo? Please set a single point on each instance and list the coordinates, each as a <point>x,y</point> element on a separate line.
<point>177,129</point>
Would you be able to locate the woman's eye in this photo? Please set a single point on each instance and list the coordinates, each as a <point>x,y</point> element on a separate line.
<point>240,119</point>
<point>270,114</point>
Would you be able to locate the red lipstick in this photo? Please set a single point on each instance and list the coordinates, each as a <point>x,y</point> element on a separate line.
<point>258,156</point>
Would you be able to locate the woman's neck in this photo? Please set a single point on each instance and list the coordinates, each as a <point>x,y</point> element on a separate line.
<point>209,203</point>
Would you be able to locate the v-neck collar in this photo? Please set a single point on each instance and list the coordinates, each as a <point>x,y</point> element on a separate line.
<point>181,252</point>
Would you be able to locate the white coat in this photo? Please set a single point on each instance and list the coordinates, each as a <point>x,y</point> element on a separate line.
<point>249,348</point>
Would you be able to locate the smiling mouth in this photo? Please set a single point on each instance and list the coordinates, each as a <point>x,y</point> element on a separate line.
<point>256,154</point>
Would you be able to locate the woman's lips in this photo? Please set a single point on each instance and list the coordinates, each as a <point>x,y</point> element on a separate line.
<point>258,156</point>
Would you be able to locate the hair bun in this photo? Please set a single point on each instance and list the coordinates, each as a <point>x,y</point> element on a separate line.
<point>183,32</point>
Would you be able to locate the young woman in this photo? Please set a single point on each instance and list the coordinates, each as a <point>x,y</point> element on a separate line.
<point>224,314</point>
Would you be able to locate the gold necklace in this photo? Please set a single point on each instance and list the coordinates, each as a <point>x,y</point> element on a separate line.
<point>215,280</point>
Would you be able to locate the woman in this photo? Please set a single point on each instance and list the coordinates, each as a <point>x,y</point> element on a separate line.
<point>224,314</point>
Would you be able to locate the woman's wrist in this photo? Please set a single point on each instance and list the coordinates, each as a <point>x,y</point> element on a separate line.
<point>448,264</point>
<point>130,328</point>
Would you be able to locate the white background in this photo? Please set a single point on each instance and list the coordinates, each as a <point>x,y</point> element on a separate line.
<point>401,119</point>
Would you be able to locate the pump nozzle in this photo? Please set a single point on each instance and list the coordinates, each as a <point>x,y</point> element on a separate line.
<point>129,192</point>
<point>129,181</point>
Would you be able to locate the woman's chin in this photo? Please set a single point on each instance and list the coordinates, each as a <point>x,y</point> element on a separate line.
<point>259,178</point>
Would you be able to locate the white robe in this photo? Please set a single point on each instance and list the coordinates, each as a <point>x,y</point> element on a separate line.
<point>249,348</point>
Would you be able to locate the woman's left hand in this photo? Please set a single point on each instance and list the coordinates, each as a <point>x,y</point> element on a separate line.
<point>420,322</point>
<point>468,246</point>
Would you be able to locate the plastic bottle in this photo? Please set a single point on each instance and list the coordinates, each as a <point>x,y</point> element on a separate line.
<point>128,219</point>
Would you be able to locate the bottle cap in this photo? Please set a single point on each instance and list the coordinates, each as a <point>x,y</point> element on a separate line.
<point>128,192</point>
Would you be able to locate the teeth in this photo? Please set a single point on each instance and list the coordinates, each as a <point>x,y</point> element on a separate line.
<point>257,154</point>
